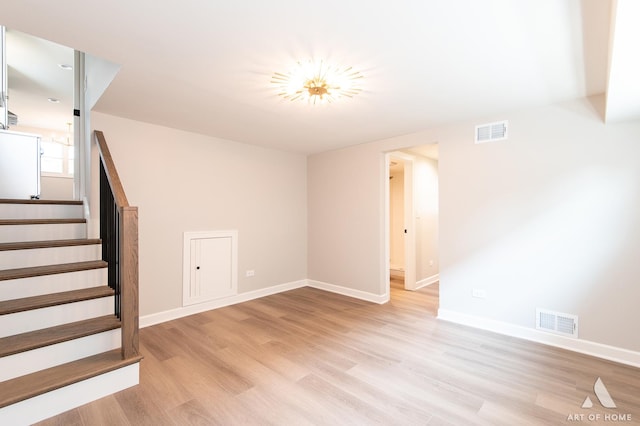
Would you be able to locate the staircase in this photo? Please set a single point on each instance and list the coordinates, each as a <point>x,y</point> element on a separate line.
<point>60,341</point>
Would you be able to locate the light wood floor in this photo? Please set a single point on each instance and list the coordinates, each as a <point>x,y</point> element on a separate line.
<point>307,357</point>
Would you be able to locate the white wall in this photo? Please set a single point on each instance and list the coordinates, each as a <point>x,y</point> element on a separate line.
<point>549,218</point>
<point>56,188</point>
<point>99,74</point>
<point>346,197</point>
<point>183,181</point>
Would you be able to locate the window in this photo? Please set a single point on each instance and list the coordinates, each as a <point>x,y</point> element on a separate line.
<point>57,158</point>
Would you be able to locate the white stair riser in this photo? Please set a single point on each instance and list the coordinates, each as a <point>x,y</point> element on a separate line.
<point>22,233</point>
<point>10,259</point>
<point>50,356</point>
<point>64,399</point>
<point>22,322</point>
<point>41,211</point>
<point>36,286</point>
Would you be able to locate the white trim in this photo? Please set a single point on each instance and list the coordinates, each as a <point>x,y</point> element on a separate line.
<point>611,353</point>
<point>66,398</point>
<point>160,317</point>
<point>385,252</point>
<point>82,138</point>
<point>345,291</point>
<point>86,208</point>
<point>427,281</point>
<point>57,175</point>
<point>4,70</point>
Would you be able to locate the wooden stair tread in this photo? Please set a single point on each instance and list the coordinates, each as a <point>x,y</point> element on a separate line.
<point>25,387</point>
<point>34,271</point>
<point>60,202</point>
<point>49,244</point>
<point>41,221</point>
<point>54,299</point>
<point>23,342</point>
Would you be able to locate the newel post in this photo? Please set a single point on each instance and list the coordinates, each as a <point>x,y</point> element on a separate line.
<point>129,287</point>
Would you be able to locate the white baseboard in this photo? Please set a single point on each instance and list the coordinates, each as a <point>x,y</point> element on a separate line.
<point>363,295</point>
<point>611,353</point>
<point>427,281</point>
<point>66,398</point>
<point>160,317</point>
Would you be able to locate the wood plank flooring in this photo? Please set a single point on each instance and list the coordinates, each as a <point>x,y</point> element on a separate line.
<point>308,357</point>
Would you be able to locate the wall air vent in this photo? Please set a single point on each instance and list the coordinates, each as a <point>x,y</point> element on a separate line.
<point>491,132</point>
<point>557,322</point>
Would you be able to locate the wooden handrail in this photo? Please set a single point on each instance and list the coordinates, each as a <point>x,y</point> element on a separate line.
<point>110,168</point>
<point>119,233</point>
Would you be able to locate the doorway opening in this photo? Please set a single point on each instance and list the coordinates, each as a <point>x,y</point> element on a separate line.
<point>40,84</point>
<point>412,221</point>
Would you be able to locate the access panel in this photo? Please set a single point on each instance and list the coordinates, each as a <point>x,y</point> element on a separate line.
<point>210,266</point>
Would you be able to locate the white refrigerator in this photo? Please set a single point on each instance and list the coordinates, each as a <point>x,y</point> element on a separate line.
<point>19,165</point>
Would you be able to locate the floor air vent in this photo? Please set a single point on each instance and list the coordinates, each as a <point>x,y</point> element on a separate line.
<point>557,322</point>
<point>491,132</point>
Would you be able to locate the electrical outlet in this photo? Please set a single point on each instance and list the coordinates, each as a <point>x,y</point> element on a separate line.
<point>479,293</point>
<point>250,273</point>
<point>431,262</point>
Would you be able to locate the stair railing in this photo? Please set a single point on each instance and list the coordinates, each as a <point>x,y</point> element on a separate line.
<point>119,234</point>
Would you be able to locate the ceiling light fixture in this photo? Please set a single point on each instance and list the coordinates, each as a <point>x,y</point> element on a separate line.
<point>66,67</point>
<point>317,82</point>
<point>54,100</point>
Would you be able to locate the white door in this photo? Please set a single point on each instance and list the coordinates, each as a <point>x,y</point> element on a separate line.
<point>409,227</point>
<point>409,261</point>
<point>19,165</point>
<point>209,266</point>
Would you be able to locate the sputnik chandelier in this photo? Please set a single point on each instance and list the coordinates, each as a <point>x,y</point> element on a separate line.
<point>317,82</point>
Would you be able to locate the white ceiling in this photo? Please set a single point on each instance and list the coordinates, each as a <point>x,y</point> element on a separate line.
<point>206,66</point>
<point>34,76</point>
